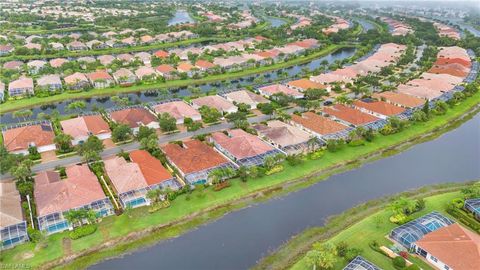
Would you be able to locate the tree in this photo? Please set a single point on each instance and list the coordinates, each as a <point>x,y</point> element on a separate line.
<point>209,115</point>
<point>121,132</point>
<point>419,116</point>
<point>242,173</point>
<point>90,150</point>
<point>76,105</point>
<point>471,192</point>
<point>266,108</point>
<point>315,93</point>
<point>23,170</point>
<point>8,160</point>
<point>154,195</point>
<point>22,114</point>
<point>313,258</point>
<point>403,205</point>
<point>145,132</point>
<point>326,256</point>
<point>167,122</point>
<point>312,144</point>
<point>334,145</point>
<point>150,143</point>
<point>64,141</point>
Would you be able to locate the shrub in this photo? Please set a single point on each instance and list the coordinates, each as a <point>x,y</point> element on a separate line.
<point>342,249</point>
<point>34,235</point>
<point>275,169</point>
<point>82,231</point>
<point>352,253</point>
<point>458,202</point>
<point>399,262</point>
<point>404,254</point>
<point>355,143</point>
<point>412,267</point>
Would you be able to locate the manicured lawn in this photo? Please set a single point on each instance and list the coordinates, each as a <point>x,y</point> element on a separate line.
<point>369,229</point>
<point>112,227</point>
<point>12,105</point>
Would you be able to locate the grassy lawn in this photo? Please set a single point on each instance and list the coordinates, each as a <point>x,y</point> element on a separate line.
<point>369,229</point>
<point>12,105</point>
<point>138,219</point>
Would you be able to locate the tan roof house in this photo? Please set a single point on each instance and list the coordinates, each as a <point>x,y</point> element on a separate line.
<point>18,140</point>
<point>50,82</point>
<point>100,79</point>
<point>124,77</point>
<point>217,102</point>
<point>20,87</point>
<point>76,81</point>
<point>179,110</point>
<point>80,128</point>
<point>246,97</point>
<point>12,223</point>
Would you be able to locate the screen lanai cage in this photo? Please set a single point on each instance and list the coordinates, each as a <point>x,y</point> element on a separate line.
<point>359,263</point>
<point>473,205</point>
<point>410,232</point>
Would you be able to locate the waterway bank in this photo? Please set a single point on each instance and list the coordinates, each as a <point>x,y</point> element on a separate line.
<point>185,215</point>
<point>291,254</point>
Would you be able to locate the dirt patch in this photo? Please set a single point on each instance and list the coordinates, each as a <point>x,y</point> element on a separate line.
<point>108,143</point>
<point>48,156</point>
<point>67,246</point>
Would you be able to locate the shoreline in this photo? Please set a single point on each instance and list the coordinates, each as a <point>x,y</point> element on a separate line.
<point>31,102</point>
<point>290,253</point>
<point>154,235</point>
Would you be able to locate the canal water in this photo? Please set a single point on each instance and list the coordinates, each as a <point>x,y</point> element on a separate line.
<point>275,22</point>
<point>239,239</point>
<point>180,17</point>
<point>149,96</point>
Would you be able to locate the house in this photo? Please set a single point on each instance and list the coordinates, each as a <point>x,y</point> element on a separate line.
<point>147,39</point>
<point>204,65</point>
<point>304,84</point>
<point>132,180</point>
<point>80,128</point>
<point>450,247</point>
<point>161,54</point>
<point>50,82</point>
<point>134,118</point>
<point>165,70</point>
<point>318,125</point>
<point>186,67</point>
<point>6,49</point>
<point>76,46</point>
<point>349,116</point>
<point>106,59</point>
<point>13,227</point>
<point>100,79</point>
<point>288,138</point>
<point>13,65</point>
<point>56,46</point>
<point>179,110</point>
<point>55,196</point>
<point>58,62</point>
<point>96,44</point>
<point>33,46</point>
<point>76,81</point>
<point>246,97</point>
<point>217,102</point>
<point>242,147</point>
<point>194,160</point>
<point>86,60</point>
<point>20,87</point>
<point>399,99</point>
<point>273,89</point>
<point>124,77</point>
<point>145,72</point>
<point>126,58</point>
<point>18,140</point>
<point>35,66</point>
<point>144,57</point>
<point>380,109</point>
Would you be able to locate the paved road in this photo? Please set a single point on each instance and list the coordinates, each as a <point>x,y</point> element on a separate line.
<point>135,145</point>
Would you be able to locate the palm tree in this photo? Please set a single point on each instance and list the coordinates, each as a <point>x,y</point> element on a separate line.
<point>312,144</point>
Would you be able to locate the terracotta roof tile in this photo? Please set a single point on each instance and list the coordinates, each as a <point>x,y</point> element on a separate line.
<point>16,139</point>
<point>152,169</point>
<point>350,115</point>
<point>318,123</point>
<point>133,117</point>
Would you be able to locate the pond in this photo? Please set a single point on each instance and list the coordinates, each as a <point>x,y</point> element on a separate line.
<point>180,17</point>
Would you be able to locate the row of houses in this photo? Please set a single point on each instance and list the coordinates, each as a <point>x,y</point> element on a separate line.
<point>108,41</point>
<point>397,28</point>
<point>126,77</point>
<point>447,31</point>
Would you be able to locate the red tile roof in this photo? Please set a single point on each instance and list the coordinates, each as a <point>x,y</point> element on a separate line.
<point>318,123</point>
<point>165,69</point>
<point>350,115</point>
<point>152,169</point>
<point>204,64</point>
<point>133,117</point>
<point>161,54</point>
<point>99,75</point>
<point>241,144</point>
<point>455,246</point>
<point>85,125</point>
<point>380,107</point>
<point>400,99</point>
<point>16,139</point>
<point>52,194</point>
<point>194,156</point>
